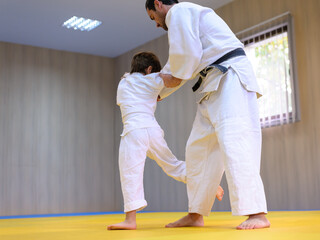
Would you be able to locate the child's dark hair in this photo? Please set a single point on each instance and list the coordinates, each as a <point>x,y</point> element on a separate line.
<point>141,61</point>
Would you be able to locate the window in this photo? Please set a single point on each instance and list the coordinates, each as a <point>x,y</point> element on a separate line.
<point>270,48</point>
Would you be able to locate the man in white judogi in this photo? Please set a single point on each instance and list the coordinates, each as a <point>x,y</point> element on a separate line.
<point>226,134</point>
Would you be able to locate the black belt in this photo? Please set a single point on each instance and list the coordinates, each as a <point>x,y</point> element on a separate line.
<point>234,53</point>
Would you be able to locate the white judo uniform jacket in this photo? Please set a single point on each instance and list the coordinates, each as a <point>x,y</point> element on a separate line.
<point>226,134</point>
<point>142,136</point>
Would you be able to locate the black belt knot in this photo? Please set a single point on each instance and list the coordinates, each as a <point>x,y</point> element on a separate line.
<point>216,64</point>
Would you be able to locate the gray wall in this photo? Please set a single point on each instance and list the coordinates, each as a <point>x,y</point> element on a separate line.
<point>56,132</point>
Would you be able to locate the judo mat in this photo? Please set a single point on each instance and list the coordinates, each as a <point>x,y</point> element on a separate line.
<point>290,225</point>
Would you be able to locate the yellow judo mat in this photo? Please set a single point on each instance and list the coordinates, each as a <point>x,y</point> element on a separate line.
<point>304,225</point>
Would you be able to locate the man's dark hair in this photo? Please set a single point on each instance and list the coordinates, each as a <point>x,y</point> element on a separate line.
<point>141,61</point>
<point>150,3</point>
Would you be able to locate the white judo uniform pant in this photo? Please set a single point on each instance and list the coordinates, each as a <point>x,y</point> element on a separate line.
<point>226,136</point>
<point>134,147</point>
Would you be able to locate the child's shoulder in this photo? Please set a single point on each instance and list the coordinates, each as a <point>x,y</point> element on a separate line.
<point>140,76</point>
<point>152,76</point>
<point>152,79</point>
<point>126,74</point>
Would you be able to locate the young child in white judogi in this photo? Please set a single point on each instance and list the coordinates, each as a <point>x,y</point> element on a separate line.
<point>142,136</point>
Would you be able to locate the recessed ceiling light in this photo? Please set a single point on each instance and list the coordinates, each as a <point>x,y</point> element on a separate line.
<point>80,23</point>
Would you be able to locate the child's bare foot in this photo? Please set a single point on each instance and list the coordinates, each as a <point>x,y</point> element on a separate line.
<point>219,194</point>
<point>125,225</point>
<point>254,222</point>
<point>191,220</point>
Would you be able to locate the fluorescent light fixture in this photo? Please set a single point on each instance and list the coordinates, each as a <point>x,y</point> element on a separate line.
<point>80,23</point>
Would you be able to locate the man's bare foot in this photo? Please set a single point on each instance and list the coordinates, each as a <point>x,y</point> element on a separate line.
<point>128,224</point>
<point>125,225</point>
<point>254,222</point>
<point>219,194</point>
<point>191,220</point>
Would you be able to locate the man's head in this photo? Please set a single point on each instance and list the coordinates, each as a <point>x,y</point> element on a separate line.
<point>145,63</point>
<point>157,11</point>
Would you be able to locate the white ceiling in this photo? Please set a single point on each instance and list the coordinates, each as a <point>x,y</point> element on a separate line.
<point>125,24</point>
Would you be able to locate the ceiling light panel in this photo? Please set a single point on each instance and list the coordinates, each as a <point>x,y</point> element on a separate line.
<point>80,23</point>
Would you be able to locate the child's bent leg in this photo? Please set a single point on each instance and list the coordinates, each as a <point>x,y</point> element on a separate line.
<point>160,152</point>
<point>128,224</point>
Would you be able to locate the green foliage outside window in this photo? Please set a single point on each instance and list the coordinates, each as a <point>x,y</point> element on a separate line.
<point>271,63</point>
